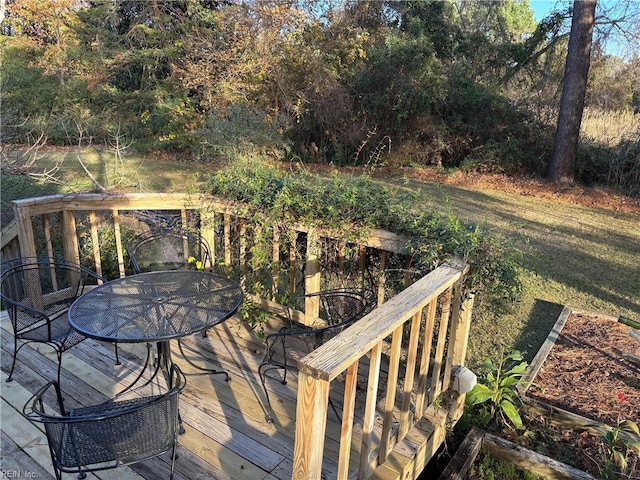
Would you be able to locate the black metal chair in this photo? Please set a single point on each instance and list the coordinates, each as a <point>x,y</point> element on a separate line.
<point>37,294</point>
<point>169,250</point>
<point>110,434</point>
<point>339,309</point>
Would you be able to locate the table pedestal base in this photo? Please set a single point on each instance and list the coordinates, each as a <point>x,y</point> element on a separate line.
<point>209,371</point>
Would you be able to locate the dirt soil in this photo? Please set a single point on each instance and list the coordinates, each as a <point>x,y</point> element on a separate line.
<point>587,374</point>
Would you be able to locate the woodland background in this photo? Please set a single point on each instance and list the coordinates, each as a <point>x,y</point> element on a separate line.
<point>454,83</point>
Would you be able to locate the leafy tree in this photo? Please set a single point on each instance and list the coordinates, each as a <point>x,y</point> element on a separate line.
<point>135,53</point>
<point>44,25</point>
<point>612,82</point>
<point>491,30</point>
<point>39,86</point>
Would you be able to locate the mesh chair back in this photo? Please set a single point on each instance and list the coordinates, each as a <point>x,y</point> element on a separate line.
<point>338,308</point>
<point>110,434</point>
<point>169,251</point>
<point>34,293</point>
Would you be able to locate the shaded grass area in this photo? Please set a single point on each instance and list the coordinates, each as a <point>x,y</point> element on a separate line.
<point>130,174</point>
<point>571,255</point>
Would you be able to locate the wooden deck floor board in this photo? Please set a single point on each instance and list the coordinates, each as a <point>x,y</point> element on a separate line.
<point>227,435</point>
<point>18,464</point>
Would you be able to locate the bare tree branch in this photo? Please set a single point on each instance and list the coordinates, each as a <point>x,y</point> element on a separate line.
<point>91,177</point>
<point>24,161</point>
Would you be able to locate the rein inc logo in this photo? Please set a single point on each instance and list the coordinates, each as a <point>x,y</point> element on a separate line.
<point>17,474</point>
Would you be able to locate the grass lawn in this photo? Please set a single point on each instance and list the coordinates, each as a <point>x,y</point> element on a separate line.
<point>574,255</point>
<point>131,174</point>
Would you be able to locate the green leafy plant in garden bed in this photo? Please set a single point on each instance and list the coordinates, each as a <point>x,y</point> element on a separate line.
<point>617,447</point>
<point>495,397</point>
<point>608,452</point>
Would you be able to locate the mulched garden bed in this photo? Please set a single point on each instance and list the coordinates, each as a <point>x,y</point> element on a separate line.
<point>586,373</point>
<point>580,377</point>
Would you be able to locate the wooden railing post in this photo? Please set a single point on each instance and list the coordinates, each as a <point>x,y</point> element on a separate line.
<point>119,248</point>
<point>70,237</point>
<point>95,241</point>
<point>227,241</point>
<point>311,423</point>
<point>312,275</point>
<point>207,226</point>
<point>461,339</point>
<point>28,249</point>
<point>275,258</point>
<point>25,231</point>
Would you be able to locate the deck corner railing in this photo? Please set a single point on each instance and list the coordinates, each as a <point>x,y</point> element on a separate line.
<point>428,324</point>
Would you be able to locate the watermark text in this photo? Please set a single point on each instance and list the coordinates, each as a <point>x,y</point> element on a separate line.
<point>17,474</point>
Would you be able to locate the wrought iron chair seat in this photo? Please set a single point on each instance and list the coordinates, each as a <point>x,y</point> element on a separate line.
<point>36,294</point>
<point>57,332</point>
<point>110,434</point>
<point>291,344</point>
<point>339,308</point>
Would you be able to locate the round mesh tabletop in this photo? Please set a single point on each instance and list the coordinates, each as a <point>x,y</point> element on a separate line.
<point>155,306</point>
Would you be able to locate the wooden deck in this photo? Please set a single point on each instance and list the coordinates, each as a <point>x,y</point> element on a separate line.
<point>395,418</point>
<point>227,435</point>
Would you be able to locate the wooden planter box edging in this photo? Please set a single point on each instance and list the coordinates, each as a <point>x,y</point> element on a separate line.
<point>525,459</point>
<point>551,339</point>
<point>507,451</point>
<point>555,414</point>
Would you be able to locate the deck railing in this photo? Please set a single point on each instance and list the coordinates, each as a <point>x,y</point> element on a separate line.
<point>63,225</point>
<point>406,348</point>
<point>428,324</point>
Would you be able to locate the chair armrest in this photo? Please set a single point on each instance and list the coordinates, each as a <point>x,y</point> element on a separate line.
<point>29,310</point>
<point>327,298</point>
<point>110,408</point>
<point>36,402</point>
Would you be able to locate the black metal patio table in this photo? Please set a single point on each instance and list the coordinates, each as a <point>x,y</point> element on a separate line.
<point>156,307</point>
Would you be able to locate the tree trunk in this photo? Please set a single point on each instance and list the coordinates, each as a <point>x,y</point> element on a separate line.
<point>562,166</point>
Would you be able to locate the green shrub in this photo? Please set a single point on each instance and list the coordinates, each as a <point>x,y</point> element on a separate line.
<point>487,133</point>
<point>240,129</point>
<point>353,205</point>
<point>616,166</point>
<point>495,397</point>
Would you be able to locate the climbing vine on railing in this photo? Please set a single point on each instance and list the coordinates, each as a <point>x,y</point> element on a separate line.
<point>350,206</point>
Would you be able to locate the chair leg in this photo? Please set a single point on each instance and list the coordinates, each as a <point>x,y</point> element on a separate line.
<point>57,472</point>
<point>173,460</point>
<point>115,347</point>
<point>210,371</point>
<point>59,354</point>
<point>15,354</point>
